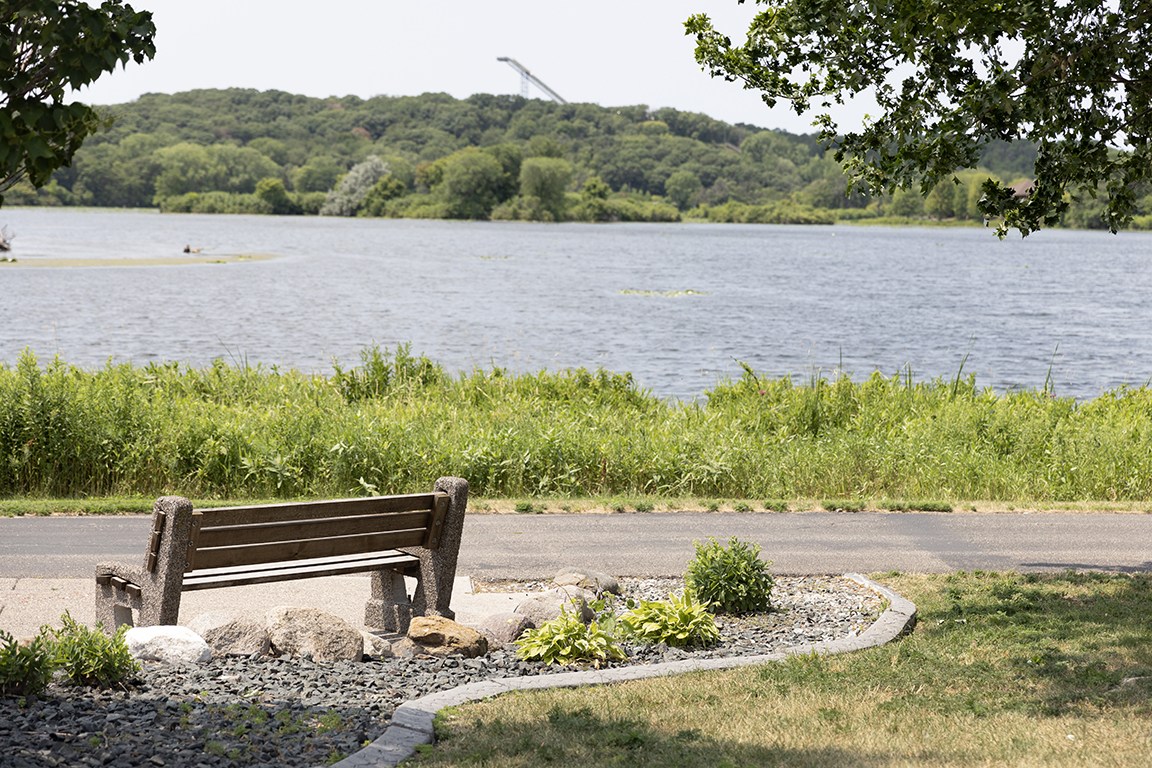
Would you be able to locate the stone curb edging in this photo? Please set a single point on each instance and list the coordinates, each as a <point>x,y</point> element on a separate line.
<point>412,721</point>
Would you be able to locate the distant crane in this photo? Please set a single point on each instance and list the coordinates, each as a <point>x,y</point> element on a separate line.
<point>527,77</point>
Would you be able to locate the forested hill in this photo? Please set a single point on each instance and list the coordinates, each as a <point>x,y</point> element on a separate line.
<point>218,146</point>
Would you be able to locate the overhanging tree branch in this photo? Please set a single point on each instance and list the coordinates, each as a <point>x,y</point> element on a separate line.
<point>1081,81</point>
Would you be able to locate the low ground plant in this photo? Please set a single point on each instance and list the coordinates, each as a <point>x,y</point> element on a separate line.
<point>730,578</point>
<point>25,670</point>
<point>80,655</point>
<point>679,621</point>
<point>568,640</point>
<point>88,656</point>
<point>1033,671</point>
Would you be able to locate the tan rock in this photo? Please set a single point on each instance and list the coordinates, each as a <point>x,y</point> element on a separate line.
<point>504,628</point>
<point>437,636</point>
<point>229,633</point>
<point>595,581</point>
<point>297,631</point>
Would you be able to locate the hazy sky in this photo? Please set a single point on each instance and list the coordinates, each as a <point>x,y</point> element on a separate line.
<point>611,53</point>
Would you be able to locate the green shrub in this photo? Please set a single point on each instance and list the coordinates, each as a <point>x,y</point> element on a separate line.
<point>677,621</point>
<point>733,579</point>
<point>566,640</point>
<point>90,657</point>
<point>25,670</point>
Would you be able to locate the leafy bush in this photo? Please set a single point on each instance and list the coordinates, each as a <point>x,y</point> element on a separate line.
<point>25,670</point>
<point>90,657</point>
<point>733,579</point>
<point>678,621</point>
<point>349,194</point>
<point>566,640</point>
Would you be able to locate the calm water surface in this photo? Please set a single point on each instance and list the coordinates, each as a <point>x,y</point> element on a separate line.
<point>787,300</point>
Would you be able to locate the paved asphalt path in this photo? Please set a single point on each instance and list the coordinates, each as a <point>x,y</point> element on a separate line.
<point>658,544</point>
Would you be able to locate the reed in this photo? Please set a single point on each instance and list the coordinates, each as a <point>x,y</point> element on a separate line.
<point>396,421</point>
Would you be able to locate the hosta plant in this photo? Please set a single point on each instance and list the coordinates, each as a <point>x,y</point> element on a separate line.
<point>678,621</point>
<point>567,640</point>
<point>733,578</point>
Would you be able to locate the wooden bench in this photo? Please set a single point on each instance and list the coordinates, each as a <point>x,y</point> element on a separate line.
<point>386,536</point>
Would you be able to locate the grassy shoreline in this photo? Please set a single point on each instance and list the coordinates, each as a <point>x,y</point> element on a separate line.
<point>79,507</point>
<point>396,422</point>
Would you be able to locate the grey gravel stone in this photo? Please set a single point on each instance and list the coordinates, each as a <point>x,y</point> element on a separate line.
<point>266,711</point>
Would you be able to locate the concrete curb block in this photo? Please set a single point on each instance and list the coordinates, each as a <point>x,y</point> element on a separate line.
<point>412,721</point>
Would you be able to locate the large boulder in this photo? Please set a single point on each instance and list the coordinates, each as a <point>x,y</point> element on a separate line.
<point>594,581</point>
<point>170,644</point>
<point>298,631</point>
<point>438,636</point>
<point>229,633</point>
<point>545,606</point>
<point>504,628</point>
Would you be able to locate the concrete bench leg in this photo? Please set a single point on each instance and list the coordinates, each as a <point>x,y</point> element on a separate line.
<point>389,607</point>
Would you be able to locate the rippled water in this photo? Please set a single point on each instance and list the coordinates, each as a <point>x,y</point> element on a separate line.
<point>787,300</point>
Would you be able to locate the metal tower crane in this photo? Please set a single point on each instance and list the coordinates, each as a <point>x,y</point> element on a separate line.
<point>527,77</point>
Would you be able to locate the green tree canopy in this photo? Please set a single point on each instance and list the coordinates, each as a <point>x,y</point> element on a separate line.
<point>470,184</point>
<point>1072,76</point>
<point>546,178</point>
<point>46,47</point>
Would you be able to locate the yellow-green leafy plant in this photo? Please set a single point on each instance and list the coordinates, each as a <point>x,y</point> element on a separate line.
<point>679,621</point>
<point>733,578</point>
<point>25,669</point>
<point>567,640</point>
<point>90,657</point>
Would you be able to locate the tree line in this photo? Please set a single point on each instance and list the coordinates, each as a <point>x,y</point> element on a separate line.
<point>486,156</point>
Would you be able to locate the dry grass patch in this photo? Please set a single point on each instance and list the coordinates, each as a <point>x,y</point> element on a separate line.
<point>1002,670</point>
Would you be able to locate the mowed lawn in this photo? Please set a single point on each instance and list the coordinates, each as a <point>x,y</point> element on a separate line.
<point>1002,669</point>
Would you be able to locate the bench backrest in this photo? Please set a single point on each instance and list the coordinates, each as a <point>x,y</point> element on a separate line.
<point>233,537</point>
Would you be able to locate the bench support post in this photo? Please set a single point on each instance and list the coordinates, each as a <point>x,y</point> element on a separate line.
<point>433,593</point>
<point>153,593</point>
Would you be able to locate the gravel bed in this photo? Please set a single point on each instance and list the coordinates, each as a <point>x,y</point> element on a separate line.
<point>264,711</point>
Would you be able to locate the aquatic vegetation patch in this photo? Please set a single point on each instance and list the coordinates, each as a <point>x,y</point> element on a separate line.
<point>665,294</point>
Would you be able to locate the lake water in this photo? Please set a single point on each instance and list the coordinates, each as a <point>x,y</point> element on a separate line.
<point>675,304</point>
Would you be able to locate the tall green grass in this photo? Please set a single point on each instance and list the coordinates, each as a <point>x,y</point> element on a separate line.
<point>397,421</point>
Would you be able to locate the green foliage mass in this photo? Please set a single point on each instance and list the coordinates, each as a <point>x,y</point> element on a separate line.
<point>84,656</point>
<point>1069,77</point>
<point>24,670</point>
<point>398,420</point>
<point>732,578</point>
<point>89,656</point>
<point>654,165</point>
<point>678,621</point>
<point>48,49</point>
<point>567,640</point>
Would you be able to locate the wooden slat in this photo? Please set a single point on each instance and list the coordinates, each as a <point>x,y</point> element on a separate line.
<point>154,543</point>
<point>104,578</point>
<point>133,590</point>
<point>193,537</point>
<point>436,526</point>
<point>270,513</point>
<point>226,557</point>
<point>268,533</point>
<point>311,569</point>
<point>339,560</point>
